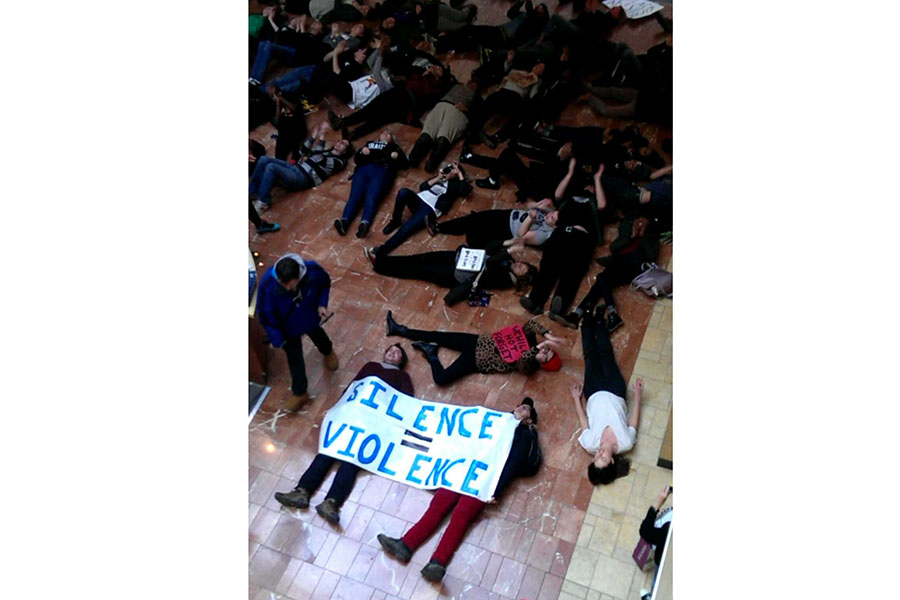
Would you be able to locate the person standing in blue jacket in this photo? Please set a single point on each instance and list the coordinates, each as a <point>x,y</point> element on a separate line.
<point>293,300</point>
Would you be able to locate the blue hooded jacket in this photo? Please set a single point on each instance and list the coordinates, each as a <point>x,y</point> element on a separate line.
<point>285,315</point>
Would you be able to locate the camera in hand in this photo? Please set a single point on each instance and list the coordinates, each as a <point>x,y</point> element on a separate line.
<point>446,169</point>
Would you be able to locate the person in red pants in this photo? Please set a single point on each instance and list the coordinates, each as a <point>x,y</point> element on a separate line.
<point>524,460</point>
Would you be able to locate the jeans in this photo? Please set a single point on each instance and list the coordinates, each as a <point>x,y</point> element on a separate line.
<point>294,80</point>
<point>343,480</point>
<point>293,348</point>
<point>265,53</point>
<point>601,373</point>
<point>371,184</point>
<point>270,172</point>
<point>406,198</point>
<point>465,509</point>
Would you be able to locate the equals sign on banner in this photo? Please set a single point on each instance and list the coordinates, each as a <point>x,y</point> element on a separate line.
<point>417,442</point>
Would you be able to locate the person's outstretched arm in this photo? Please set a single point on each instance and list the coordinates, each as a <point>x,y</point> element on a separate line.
<point>577,394</point>
<point>561,188</point>
<point>636,411</point>
<point>598,188</point>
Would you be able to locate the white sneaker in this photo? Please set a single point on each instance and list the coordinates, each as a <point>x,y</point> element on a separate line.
<point>260,207</point>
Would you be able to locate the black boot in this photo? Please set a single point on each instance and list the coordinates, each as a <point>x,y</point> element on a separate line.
<point>441,148</point>
<point>394,328</point>
<point>420,149</point>
<point>429,350</point>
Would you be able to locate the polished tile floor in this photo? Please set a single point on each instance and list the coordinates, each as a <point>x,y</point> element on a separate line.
<point>552,535</point>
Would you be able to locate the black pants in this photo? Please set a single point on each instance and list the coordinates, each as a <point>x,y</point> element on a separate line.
<point>293,348</point>
<point>470,37</point>
<point>506,102</point>
<point>619,272</point>
<point>481,228</point>
<point>601,373</point>
<point>464,343</point>
<point>392,106</point>
<point>566,259</point>
<point>254,216</point>
<point>343,480</point>
<point>435,267</point>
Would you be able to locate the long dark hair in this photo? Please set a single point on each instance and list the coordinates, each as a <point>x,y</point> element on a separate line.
<point>618,468</point>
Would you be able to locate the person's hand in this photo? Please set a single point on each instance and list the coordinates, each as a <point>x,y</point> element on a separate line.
<point>664,494</point>
<point>341,46</point>
<point>268,12</point>
<point>460,107</point>
<point>366,151</point>
<point>638,387</point>
<point>599,172</point>
<point>575,389</point>
<point>546,203</point>
<point>252,158</point>
<point>394,155</point>
<point>572,165</point>
<point>322,312</point>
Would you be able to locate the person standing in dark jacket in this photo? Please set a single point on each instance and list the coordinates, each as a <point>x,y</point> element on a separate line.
<point>524,456</point>
<point>436,196</point>
<point>293,300</point>
<point>376,167</point>
<point>390,370</point>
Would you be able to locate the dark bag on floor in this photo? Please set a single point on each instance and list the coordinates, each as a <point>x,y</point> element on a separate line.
<point>653,281</point>
<point>262,108</point>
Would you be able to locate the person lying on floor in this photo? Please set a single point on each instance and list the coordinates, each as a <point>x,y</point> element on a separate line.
<point>318,164</point>
<point>636,244</point>
<point>510,349</point>
<point>524,460</point>
<point>606,433</point>
<point>537,180</point>
<point>482,228</point>
<point>391,370</point>
<point>436,196</point>
<point>503,269</point>
<point>377,164</point>
<point>446,123</point>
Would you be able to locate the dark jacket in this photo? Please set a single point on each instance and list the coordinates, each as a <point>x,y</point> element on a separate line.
<point>654,535</point>
<point>625,249</point>
<point>524,452</point>
<point>286,314</point>
<point>380,153</point>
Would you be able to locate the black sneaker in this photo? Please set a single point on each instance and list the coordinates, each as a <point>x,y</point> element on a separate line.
<point>488,183</point>
<point>390,227</point>
<point>431,225</point>
<point>330,511</point>
<point>572,320</point>
<point>556,308</point>
<point>433,571</point>
<point>335,121</point>
<point>299,498</point>
<point>341,226</point>
<point>530,306</point>
<point>613,320</point>
<point>395,547</point>
<point>362,230</point>
<point>465,154</point>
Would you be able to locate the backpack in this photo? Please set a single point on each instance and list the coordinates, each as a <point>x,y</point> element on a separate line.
<point>654,282</point>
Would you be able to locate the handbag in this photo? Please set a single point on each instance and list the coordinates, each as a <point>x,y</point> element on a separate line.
<point>643,554</point>
<point>653,281</point>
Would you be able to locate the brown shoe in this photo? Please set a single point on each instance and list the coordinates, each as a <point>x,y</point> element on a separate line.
<point>331,361</point>
<point>330,511</point>
<point>296,402</point>
<point>299,498</point>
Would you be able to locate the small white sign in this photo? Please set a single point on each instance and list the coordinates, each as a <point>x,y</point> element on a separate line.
<point>470,259</point>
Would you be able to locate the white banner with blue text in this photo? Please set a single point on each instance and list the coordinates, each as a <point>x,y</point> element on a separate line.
<point>420,443</point>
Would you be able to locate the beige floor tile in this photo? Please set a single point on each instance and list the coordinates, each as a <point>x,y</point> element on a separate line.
<point>648,419</point>
<point>652,369</point>
<point>584,536</point>
<point>659,420</point>
<point>589,519</point>
<point>654,339</point>
<point>572,588</point>
<point>641,580</point>
<point>649,355</point>
<point>665,321</point>
<point>639,483</point>
<point>655,482</point>
<point>565,596</point>
<point>599,512</point>
<point>612,576</point>
<point>614,496</point>
<point>604,537</point>
<point>606,597</point>
<point>667,347</point>
<point>629,534</point>
<point>593,595</point>
<point>581,567</point>
<point>645,451</point>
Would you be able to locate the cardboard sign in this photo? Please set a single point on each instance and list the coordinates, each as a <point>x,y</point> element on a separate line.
<point>511,343</point>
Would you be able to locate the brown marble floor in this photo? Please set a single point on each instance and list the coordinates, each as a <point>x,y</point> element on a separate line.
<point>518,548</point>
